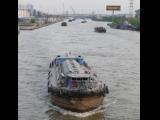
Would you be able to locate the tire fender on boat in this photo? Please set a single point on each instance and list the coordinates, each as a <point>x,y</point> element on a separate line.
<point>48,87</point>
<point>106,89</point>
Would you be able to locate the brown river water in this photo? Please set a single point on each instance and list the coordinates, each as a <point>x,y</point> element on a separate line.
<point>115,56</point>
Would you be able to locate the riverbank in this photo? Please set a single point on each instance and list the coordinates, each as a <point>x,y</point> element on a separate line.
<point>33,27</point>
<point>36,26</point>
<point>121,22</point>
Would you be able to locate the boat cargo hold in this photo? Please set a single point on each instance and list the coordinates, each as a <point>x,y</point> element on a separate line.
<point>73,85</point>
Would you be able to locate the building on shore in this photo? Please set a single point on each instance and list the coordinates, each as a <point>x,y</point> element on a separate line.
<point>25,11</point>
<point>27,15</point>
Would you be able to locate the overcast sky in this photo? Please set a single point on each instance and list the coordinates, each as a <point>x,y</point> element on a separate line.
<point>79,6</point>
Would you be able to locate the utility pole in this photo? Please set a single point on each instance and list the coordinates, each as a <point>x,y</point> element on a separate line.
<point>63,7</point>
<point>73,11</point>
<point>113,13</point>
<point>131,8</point>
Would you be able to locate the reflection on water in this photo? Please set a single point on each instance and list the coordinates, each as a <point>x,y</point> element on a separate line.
<point>114,56</point>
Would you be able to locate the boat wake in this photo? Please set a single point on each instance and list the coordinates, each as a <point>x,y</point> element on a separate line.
<point>65,112</point>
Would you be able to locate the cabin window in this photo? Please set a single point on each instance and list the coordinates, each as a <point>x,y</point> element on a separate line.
<point>74,79</point>
<point>79,78</point>
<point>85,78</point>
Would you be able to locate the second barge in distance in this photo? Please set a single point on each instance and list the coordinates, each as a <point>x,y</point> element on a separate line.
<point>63,24</point>
<point>100,29</point>
<point>73,85</point>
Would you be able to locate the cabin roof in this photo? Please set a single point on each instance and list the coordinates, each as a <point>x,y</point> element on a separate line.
<point>71,66</point>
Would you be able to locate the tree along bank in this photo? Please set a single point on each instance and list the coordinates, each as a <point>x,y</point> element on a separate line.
<point>121,22</point>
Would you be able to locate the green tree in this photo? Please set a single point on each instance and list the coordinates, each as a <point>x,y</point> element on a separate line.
<point>32,20</point>
<point>134,21</point>
<point>118,20</point>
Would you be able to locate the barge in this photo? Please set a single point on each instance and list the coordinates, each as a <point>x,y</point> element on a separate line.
<point>84,21</point>
<point>64,24</point>
<point>100,29</point>
<point>73,85</point>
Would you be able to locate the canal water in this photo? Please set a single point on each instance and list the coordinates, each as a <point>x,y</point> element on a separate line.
<point>115,56</point>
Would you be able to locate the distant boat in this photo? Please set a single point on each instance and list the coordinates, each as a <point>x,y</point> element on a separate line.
<point>73,85</point>
<point>69,20</point>
<point>84,21</point>
<point>100,29</point>
<point>73,19</point>
<point>63,24</point>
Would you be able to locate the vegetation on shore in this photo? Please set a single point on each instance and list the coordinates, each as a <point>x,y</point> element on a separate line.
<point>32,21</point>
<point>134,21</point>
<point>120,20</point>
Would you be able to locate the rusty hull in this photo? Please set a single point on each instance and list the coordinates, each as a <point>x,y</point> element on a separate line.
<point>82,104</point>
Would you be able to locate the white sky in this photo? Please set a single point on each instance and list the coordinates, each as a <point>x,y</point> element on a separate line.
<point>80,6</point>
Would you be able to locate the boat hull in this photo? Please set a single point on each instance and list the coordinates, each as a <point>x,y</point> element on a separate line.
<point>82,104</point>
